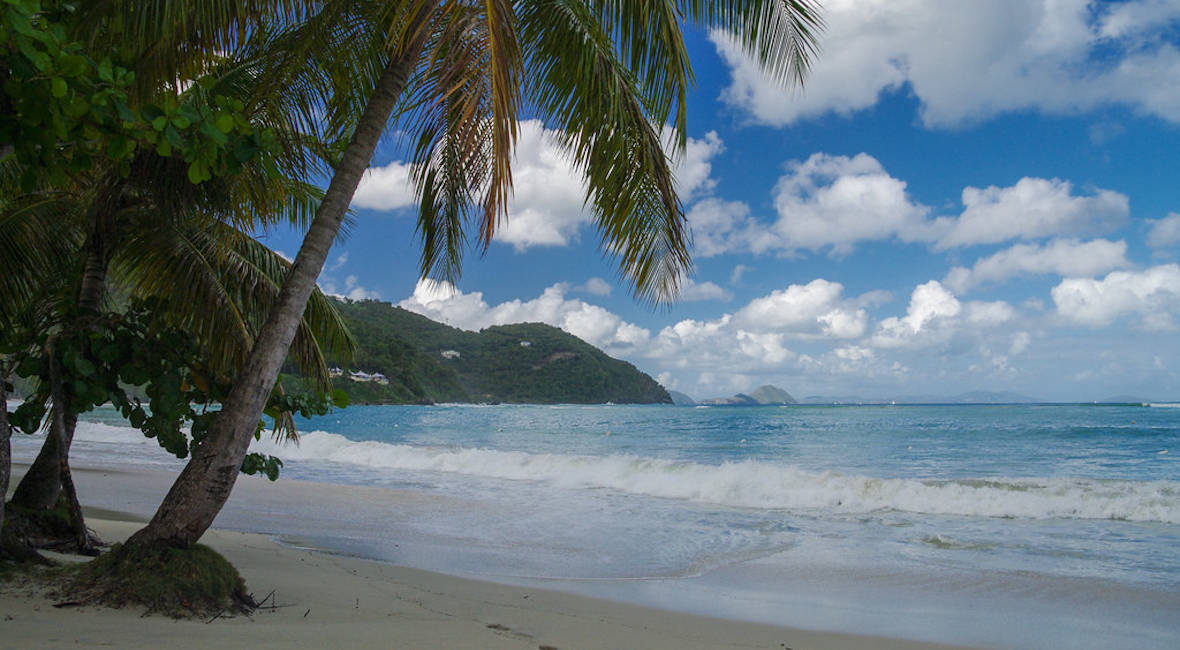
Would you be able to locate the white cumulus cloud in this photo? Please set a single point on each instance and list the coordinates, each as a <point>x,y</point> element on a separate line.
<point>1031,209</point>
<point>1164,233</point>
<point>758,338</point>
<point>967,61</point>
<point>720,226</point>
<point>988,314</point>
<point>443,302</point>
<point>692,291</point>
<point>1152,294</point>
<point>548,196</point>
<point>814,309</point>
<point>385,188</point>
<point>596,286</point>
<point>928,302</point>
<point>1064,257</point>
<point>936,316</point>
<point>830,202</point>
<point>837,201</point>
<point>693,167</point>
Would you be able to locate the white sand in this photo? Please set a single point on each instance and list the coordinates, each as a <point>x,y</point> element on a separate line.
<point>329,601</point>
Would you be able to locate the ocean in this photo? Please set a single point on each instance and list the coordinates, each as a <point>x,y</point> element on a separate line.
<point>1013,526</point>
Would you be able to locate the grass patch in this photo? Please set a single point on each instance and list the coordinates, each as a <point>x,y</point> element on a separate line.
<point>38,526</point>
<point>177,582</point>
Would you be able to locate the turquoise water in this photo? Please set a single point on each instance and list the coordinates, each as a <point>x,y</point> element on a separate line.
<point>1008,526</point>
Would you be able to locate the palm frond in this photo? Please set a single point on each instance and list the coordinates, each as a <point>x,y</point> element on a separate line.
<point>220,285</point>
<point>581,85</point>
<point>38,237</point>
<point>453,158</point>
<point>782,35</point>
<point>174,40</point>
<point>648,37</point>
<point>504,63</point>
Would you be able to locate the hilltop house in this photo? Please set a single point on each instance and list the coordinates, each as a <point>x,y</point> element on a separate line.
<point>360,375</point>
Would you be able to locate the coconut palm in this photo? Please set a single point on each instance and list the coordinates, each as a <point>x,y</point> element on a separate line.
<point>161,235</point>
<point>455,76</point>
<point>217,284</point>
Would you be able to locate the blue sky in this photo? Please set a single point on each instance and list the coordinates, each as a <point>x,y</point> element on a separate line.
<point>965,196</point>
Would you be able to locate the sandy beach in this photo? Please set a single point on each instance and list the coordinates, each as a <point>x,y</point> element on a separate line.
<point>327,600</point>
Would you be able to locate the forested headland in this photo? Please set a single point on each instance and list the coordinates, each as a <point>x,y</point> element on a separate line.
<point>407,358</point>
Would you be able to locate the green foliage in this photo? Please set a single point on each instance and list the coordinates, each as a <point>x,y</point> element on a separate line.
<point>119,357</point>
<point>182,583</point>
<point>62,110</point>
<point>492,366</point>
<point>256,463</point>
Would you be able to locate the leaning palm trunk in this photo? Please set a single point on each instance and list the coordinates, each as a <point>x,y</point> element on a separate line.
<point>205,484</point>
<point>43,484</point>
<point>609,99</point>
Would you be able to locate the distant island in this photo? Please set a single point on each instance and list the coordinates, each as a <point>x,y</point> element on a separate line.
<point>761,396</point>
<point>774,396</point>
<point>405,358</point>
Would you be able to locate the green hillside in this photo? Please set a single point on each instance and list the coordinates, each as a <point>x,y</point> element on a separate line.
<point>523,363</point>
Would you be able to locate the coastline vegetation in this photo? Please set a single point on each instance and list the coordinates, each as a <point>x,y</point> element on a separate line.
<point>423,361</point>
<point>143,144</point>
<point>165,290</point>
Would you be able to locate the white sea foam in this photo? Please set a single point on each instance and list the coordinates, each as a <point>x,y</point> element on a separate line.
<point>756,484</point>
<point>750,484</point>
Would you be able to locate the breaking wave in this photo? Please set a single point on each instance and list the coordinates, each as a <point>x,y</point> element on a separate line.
<point>747,484</point>
<point>754,484</point>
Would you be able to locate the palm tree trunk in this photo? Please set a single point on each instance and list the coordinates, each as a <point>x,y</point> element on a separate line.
<point>11,548</point>
<point>94,270</point>
<point>41,486</point>
<point>5,442</point>
<point>205,484</point>
<point>58,429</point>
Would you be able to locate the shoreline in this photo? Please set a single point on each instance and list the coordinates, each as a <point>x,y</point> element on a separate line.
<point>332,598</point>
<point>327,600</point>
<point>380,527</point>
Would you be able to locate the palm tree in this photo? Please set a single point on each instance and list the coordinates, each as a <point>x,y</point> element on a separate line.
<point>217,284</point>
<point>456,75</point>
<point>161,235</point>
